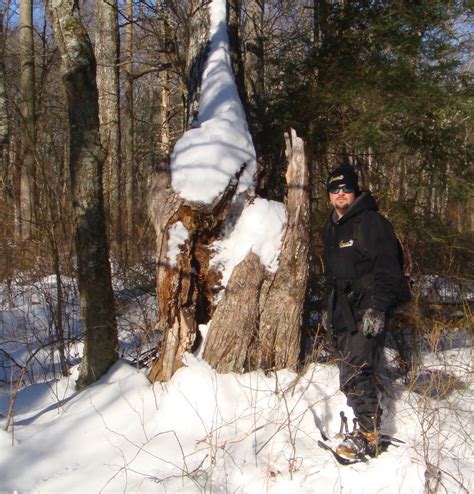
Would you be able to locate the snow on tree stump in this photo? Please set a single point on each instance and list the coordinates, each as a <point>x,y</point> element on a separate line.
<point>258,320</point>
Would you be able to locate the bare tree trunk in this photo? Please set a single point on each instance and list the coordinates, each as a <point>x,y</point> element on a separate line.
<point>281,307</point>
<point>3,95</point>
<point>129,130</point>
<point>257,324</point>
<point>4,128</point>
<point>107,56</point>
<point>28,96</point>
<point>164,138</point>
<point>165,134</point>
<point>86,161</point>
<point>255,66</point>
<point>196,53</point>
<point>233,329</point>
<point>184,284</point>
<point>234,13</point>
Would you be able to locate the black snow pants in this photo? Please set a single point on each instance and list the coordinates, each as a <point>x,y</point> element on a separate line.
<point>358,361</point>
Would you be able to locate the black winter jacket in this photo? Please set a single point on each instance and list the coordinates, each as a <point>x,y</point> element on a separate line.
<point>369,274</point>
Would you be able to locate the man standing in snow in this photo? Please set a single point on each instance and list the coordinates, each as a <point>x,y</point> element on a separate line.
<point>363,275</point>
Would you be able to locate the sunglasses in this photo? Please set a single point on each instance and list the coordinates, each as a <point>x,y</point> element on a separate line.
<point>347,189</point>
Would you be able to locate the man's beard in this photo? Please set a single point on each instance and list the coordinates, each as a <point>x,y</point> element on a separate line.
<point>341,210</point>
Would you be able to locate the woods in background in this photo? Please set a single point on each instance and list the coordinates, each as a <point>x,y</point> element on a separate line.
<point>384,84</point>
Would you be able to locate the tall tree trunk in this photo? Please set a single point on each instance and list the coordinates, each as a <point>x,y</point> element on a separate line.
<point>86,159</point>
<point>196,53</point>
<point>4,128</point>
<point>3,95</point>
<point>255,67</point>
<point>27,108</point>
<point>165,134</point>
<point>129,130</point>
<point>234,14</point>
<point>107,56</point>
<point>281,307</point>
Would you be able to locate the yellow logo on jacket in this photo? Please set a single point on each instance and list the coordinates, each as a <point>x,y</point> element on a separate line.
<point>347,243</point>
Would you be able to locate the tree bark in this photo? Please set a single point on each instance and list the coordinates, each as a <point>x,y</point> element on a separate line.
<point>233,329</point>
<point>86,159</point>
<point>281,304</point>
<point>258,322</point>
<point>234,13</point>
<point>129,127</point>
<point>4,127</point>
<point>255,67</point>
<point>165,133</point>
<point>107,56</point>
<point>196,54</point>
<point>26,169</point>
<point>3,96</point>
<point>184,285</point>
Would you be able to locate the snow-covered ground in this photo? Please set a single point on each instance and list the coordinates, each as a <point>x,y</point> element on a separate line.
<point>207,432</point>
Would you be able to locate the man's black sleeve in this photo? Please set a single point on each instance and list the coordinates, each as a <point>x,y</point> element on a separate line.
<point>382,247</point>
<point>328,277</point>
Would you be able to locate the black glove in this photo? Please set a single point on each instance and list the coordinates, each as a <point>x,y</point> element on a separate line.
<point>373,322</point>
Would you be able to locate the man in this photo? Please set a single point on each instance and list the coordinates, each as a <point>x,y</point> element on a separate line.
<point>363,275</point>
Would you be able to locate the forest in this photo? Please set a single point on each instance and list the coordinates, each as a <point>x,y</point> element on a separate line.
<point>163,193</point>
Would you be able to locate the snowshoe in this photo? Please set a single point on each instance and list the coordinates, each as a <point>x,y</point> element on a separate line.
<point>341,459</point>
<point>358,444</point>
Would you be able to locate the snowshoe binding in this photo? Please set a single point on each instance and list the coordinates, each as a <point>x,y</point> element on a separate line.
<point>358,444</point>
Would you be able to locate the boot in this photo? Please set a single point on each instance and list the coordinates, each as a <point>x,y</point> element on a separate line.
<point>360,443</point>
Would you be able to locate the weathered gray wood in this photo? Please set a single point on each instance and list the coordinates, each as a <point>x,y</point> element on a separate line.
<point>281,304</point>
<point>235,321</point>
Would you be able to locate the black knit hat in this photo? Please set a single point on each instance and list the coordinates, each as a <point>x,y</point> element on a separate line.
<point>343,174</point>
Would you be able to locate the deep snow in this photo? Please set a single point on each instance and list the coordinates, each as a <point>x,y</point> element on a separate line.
<point>205,432</point>
<point>209,432</point>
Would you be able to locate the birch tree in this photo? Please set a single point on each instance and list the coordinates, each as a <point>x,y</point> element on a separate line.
<point>26,169</point>
<point>86,160</point>
<point>107,56</point>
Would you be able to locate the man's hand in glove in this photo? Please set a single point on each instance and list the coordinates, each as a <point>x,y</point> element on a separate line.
<point>373,322</point>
